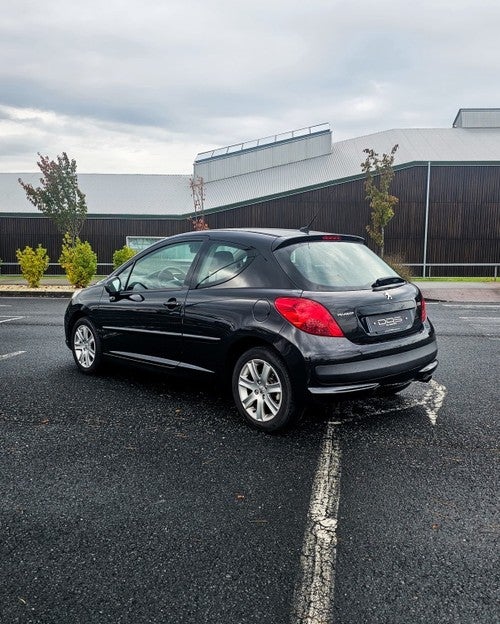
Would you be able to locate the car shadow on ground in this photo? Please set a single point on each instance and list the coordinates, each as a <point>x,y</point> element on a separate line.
<point>125,392</point>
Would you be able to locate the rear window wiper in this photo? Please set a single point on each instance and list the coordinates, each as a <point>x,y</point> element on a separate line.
<point>388,281</point>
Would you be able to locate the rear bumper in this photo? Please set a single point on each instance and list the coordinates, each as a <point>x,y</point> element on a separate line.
<point>418,364</point>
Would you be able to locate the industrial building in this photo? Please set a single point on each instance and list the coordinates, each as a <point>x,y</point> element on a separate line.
<point>447,181</point>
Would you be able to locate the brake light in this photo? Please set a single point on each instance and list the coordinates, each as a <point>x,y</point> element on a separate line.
<point>332,237</point>
<point>423,310</point>
<point>308,316</point>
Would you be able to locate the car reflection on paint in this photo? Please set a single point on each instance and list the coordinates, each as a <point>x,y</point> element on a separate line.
<point>285,316</point>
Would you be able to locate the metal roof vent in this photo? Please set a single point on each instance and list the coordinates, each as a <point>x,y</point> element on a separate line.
<point>272,151</point>
<point>477,118</point>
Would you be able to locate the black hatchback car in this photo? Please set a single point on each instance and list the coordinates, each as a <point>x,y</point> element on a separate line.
<point>283,315</point>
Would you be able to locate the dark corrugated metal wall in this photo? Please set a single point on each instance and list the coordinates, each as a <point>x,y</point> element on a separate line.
<point>464,218</point>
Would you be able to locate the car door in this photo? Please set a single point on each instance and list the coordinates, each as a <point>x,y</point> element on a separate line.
<point>218,304</point>
<point>142,320</point>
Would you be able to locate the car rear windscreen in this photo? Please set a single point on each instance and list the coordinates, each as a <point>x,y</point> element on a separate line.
<point>332,265</point>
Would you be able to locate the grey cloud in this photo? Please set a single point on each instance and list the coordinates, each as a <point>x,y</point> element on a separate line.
<point>216,73</point>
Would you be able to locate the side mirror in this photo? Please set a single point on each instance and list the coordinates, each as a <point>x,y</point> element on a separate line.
<point>113,286</point>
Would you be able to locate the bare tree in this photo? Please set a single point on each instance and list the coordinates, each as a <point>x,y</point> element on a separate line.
<point>198,193</point>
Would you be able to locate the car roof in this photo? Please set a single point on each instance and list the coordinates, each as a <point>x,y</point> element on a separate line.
<point>269,238</point>
<point>273,233</point>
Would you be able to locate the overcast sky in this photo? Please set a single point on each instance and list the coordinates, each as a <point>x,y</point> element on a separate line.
<point>142,86</point>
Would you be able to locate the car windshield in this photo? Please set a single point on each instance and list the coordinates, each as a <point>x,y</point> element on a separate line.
<point>332,265</point>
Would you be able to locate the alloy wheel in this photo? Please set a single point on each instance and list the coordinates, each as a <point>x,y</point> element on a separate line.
<point>260,390</point>
<point>84,346</point>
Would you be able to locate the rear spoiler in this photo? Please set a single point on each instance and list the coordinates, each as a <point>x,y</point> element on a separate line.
<point>317,236</point>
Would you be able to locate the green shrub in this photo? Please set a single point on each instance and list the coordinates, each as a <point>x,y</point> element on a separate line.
<point>33,263</point>
<point>78,261</point>
<point>122,255</point>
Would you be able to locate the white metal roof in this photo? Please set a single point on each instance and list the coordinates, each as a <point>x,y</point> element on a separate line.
<point>109,194</point>
<point>168,195</point>
<point>446,145</point>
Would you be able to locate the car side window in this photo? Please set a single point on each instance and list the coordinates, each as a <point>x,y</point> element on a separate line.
<point>221,263</point>
<point>166,267</point>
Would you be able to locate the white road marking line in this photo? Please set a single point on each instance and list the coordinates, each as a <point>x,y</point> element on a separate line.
<point>431,401</point>
<point>314,595</point>
<point>488,325</point>
<point>6,356</point>
<point>313,599</point>
<point>493,319</point>
<point>11,318</point>
<point>471,306</point>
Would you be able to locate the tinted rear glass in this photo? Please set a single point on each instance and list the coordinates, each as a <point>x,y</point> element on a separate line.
<point>222,262</point>
<point>328,265</point>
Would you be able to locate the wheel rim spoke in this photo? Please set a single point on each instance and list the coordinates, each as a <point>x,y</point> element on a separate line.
<point>247,383</point>
<point>249,400</point>
<point>272,405</point>
<point>274,388</point>
<point>260,412</point>
<point>263,369</point>
<point>252,370</point>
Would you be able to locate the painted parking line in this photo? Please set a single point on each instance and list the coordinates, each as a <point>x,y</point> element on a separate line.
<point>491,319</point>
<point>431,401</point>
<point>471,306</point>
<point>6,319</point>
<point>314,595</point>
<point>489,326</point>
<point>313,598</point>
<point>6,356</point>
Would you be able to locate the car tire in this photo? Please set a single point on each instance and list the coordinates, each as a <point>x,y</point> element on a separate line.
<point>262,390</point>
<point>86,346</point>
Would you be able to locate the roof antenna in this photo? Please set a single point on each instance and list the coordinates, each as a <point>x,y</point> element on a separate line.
<point>307,227</point>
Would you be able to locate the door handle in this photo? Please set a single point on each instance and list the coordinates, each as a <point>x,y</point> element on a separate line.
<point>172,303</point>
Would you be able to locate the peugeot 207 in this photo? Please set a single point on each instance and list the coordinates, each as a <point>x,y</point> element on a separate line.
<point>284,316</point>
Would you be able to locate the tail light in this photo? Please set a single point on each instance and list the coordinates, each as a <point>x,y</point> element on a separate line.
<point>423,310</point>
<point>308,316</point>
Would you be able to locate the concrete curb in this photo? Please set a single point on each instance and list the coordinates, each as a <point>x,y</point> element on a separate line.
<point>52,294</point>
<point>44,290</point>
<point>461,292</point>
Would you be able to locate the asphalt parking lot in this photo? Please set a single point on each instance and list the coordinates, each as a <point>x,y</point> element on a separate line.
<point>133,498</point>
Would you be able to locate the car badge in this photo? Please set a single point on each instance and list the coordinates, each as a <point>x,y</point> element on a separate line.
<point>388,295</point>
